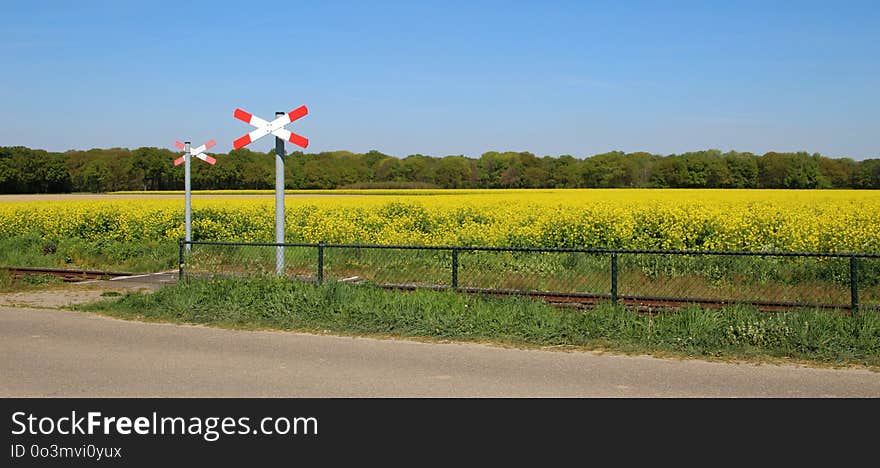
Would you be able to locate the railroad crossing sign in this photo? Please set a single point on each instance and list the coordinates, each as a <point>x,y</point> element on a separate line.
<point>197,152</point>
<point>188,153</point>
<point>275,127</point>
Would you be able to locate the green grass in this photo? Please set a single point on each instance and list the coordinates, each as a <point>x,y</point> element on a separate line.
<point>731,333</point>
<point>138,257</point>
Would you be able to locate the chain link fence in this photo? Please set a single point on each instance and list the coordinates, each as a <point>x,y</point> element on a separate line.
<point>639,278</point>
<point>867,288</point>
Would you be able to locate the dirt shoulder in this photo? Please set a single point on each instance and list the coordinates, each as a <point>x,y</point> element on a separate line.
<point>65,295</point>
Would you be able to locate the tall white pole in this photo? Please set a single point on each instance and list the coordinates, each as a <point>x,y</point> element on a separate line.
<point>188,189</point>
<point>279,203</point>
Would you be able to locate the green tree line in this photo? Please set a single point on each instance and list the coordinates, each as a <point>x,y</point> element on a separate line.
<point>25,170</point>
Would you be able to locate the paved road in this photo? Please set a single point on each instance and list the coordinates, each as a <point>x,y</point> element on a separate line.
<point>47,352</point>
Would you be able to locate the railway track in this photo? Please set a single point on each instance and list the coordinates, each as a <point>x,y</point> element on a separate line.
<point>68,275</point>
<point>645,304</point>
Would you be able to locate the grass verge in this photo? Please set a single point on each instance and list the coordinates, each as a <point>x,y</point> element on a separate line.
<point>34,251</point>
<point>731,333</point>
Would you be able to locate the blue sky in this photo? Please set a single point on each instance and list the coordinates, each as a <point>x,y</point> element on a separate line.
<point>447,77</point>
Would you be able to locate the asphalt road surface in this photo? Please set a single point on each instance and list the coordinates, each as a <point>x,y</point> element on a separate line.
<point>54,353</point>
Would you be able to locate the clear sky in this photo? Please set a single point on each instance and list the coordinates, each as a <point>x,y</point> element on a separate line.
<point>447,77</point>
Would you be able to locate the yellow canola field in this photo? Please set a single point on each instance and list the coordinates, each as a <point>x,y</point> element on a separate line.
<point>782,220</point>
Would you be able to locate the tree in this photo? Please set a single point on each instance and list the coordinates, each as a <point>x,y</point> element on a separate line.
<point>565,172</point>
<point>536,177</point>
<point>389,169</point>
<point>772,170</point>
<point>453,172</point>
<point>25,170</point>
<point>802,171</point>
<point>419,168</point>
<point>838,173</point>
<point>867,175</point>
<point>743,169</point>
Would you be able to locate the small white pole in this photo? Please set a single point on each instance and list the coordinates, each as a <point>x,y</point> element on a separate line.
<point>279,203</point>
<point>188,189</point>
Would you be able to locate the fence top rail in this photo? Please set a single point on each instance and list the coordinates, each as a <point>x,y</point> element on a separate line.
<point>744,253</point>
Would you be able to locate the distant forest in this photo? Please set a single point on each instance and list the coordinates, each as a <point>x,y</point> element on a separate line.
<point>25,170</point>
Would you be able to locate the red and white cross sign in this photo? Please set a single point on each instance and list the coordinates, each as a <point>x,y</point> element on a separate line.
<point>275,127</point>
<point>197,152</point>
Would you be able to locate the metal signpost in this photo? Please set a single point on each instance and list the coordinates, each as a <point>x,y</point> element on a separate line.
<point>275,127</point>
<point>188,153</point>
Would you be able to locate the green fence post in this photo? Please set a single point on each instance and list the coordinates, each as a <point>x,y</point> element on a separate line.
<point>180,261</point>
<point>854,285</point>
<point>320,262</point>
<point>614,278</point>
<point>455,268</point>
